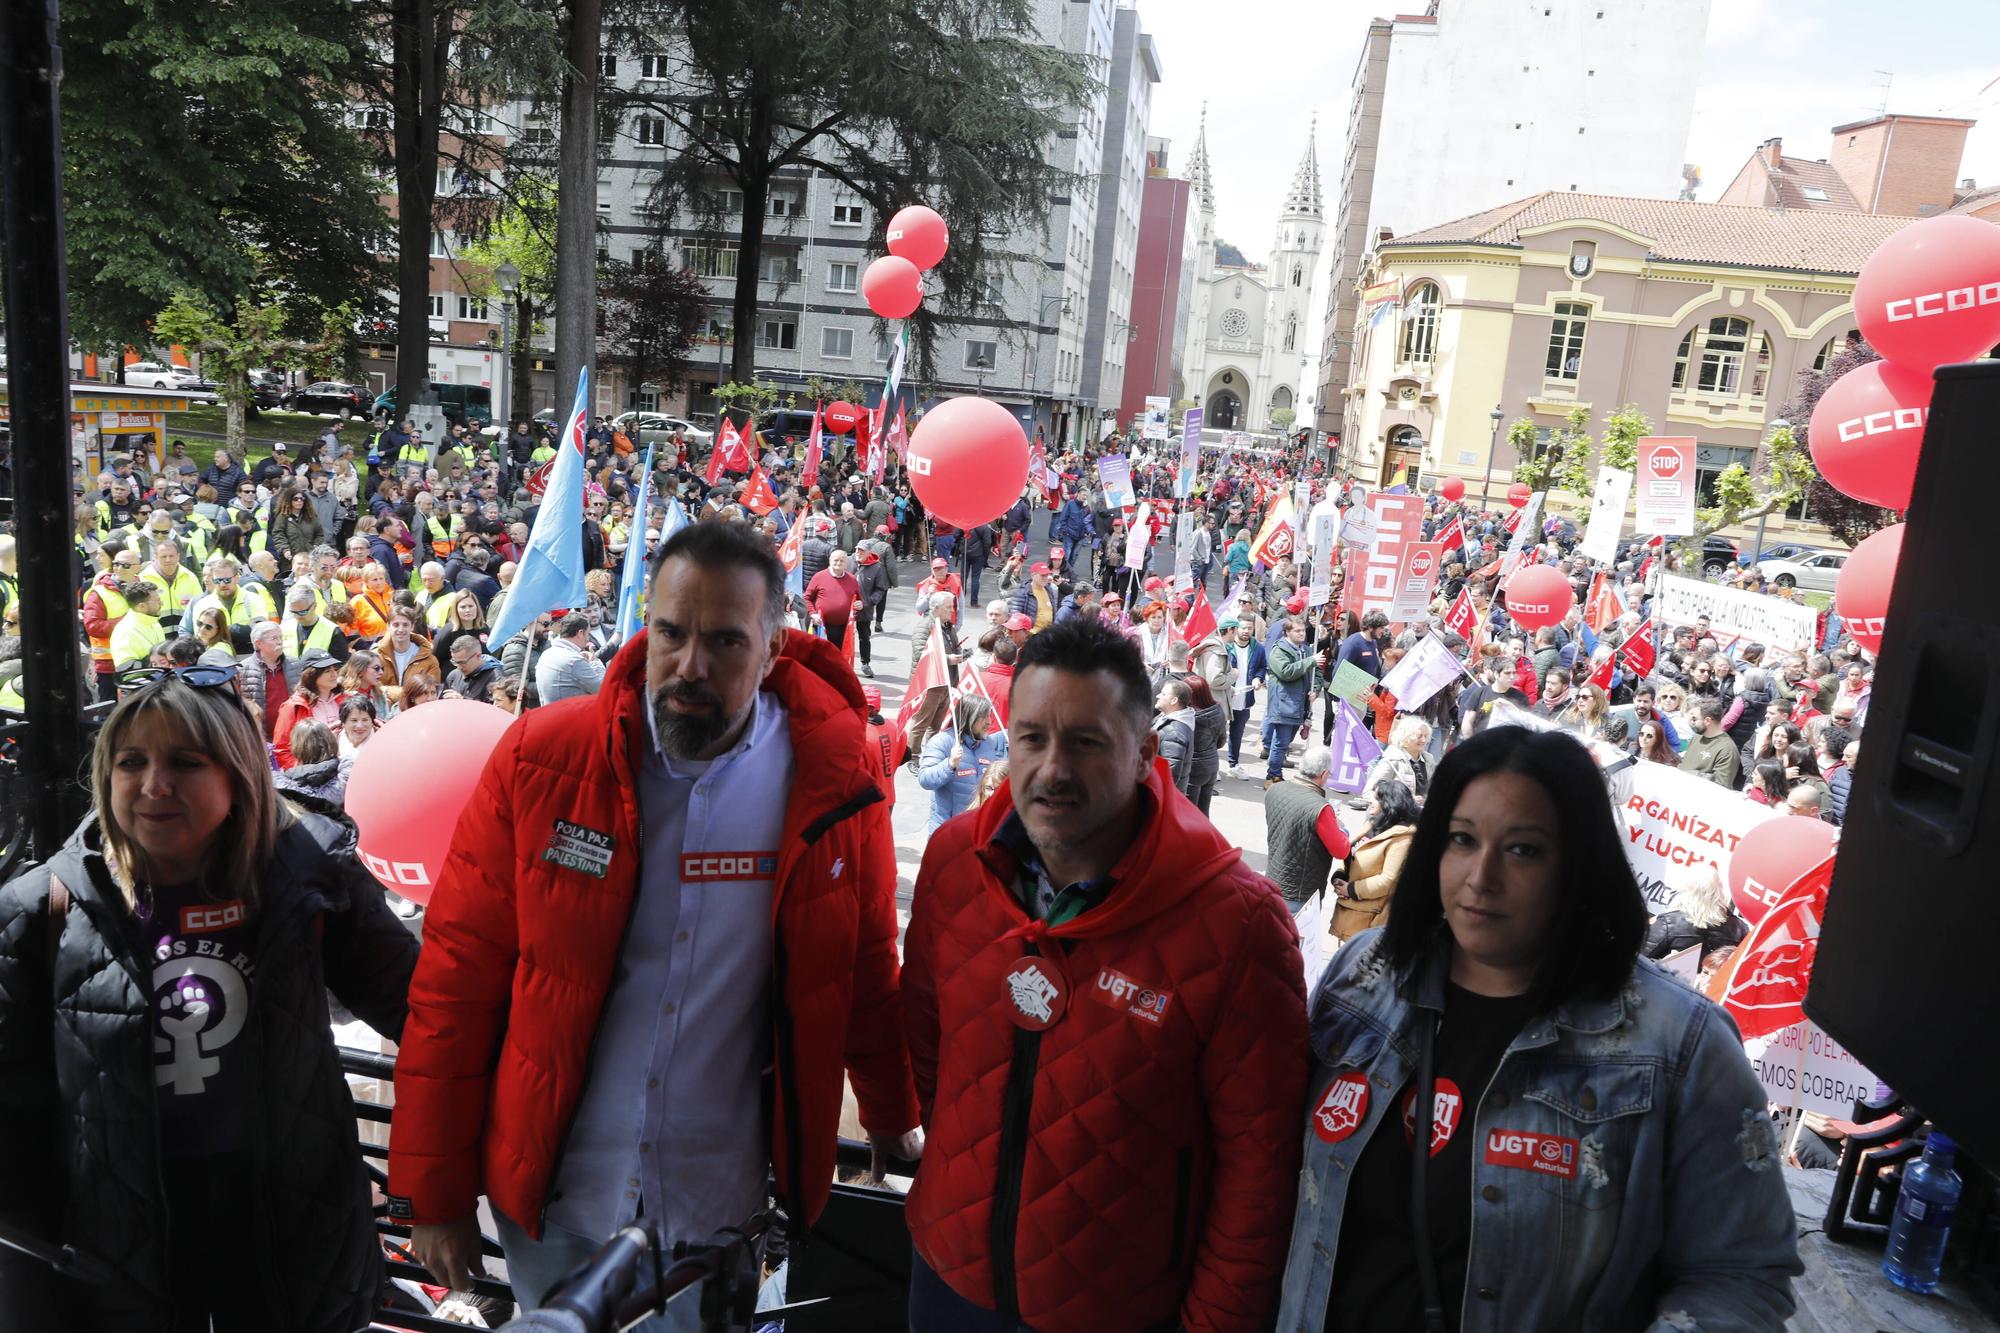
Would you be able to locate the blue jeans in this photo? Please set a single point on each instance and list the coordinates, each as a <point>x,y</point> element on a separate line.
<point>534,1267</point>
<point>1239,719</point>
<point>936,1308</point>
<point>1277,739</point>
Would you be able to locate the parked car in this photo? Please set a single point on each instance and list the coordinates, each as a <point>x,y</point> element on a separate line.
<point>346,400</point>
<point>786,427</point>
<point>1786,551</point>
<point>658,428</point>
<point>1718,554</point>
<point>159,375</point>
<point>267,389</point>
<point>463,404</point>
<point>1818,571</point>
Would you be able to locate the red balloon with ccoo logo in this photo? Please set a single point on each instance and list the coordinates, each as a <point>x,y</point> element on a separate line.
<point>1452,489</point>
<point>841,418</point>
<point>1868,429</point>
<point>1519,493</point>
<point>1861,596</point>
<point>1539,595</point>
<point>1931,292</point>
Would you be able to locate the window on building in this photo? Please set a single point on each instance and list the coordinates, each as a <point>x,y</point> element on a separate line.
<point>437,305</point>
<point>1420,325</point>
<point>1833,347</point>
<point>836,344</point>
<point>1814,193</point>
<point>652,131</point>
<point>988,288</point>
<point>607,66</point>
<point>1566,341</point>
<point>371,118</point>
<point>782,204</point>
<point>712,259</point>
<point>1711,357</point>
<point>647,400</point>
<point>981,355</point>
<point>537,133</point>
<point>653,65</point>
<point>781,266</point>
<point>1291,333</point>
<point>843,275</point>
<point>778,334</point>
<point>882,348</point>
<point>847,211</point>
<point>1760,366</point>
<point>440,244</point>
<point>473,308</point>
<point>1298,274</point>
<point>727,202</point>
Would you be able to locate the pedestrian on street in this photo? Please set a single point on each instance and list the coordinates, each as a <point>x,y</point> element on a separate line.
<point>1303,838</point>
<point>1289,671</point>
<point>956,759</point>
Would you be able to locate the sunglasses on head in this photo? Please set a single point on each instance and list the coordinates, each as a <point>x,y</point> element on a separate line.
<point>200,676</point>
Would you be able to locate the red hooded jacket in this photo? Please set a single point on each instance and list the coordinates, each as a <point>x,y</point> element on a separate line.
<point>1133,1164</point>
<point>519,952</point>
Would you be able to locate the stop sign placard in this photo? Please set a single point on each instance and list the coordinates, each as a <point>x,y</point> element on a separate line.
<point>1666,492</point>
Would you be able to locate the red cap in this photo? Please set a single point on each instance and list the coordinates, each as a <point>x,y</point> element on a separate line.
<point>939,563</point>
<point>1055,553</point>
<point>882,530</point>
<point>1296,603</point>
<point>872,696</point>
<point>869,558</point>
<point>1038,569</point>
<point>1111,597</point>
<point>1019,621</point>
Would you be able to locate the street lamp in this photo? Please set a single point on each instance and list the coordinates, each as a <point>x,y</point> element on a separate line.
<point>1492,447</point>
<point>1035,350</point>
<point>1757,552</point>
<point>509,278</point>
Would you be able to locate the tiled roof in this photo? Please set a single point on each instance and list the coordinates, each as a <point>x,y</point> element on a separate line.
<point>1801,240</point>
<point>1793,176</point>
<point>1971,200</point>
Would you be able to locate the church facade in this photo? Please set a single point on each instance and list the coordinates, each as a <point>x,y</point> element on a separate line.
<point>1247,323</point>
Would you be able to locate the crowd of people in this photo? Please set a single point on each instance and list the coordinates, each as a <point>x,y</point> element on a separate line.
<point>665,938</point>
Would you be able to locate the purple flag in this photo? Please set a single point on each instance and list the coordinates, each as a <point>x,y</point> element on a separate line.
<point>1354,750</point>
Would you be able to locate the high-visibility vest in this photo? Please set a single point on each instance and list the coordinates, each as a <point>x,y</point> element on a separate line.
<point>176,593</point>
<point>543,453</point>
<point>253,604</point>
<point>416,451</point>
<point>441,607</point>
<point>10,695</point>
<point>10,590</point>
<point>115,607</point>
<point>441,542</point>
<point>317,638</point>
<point>133,640</point>
<point>200,537</point>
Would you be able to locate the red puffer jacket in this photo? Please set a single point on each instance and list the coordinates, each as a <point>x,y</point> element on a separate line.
<point>519,952</point>
<point>1134,1163</point>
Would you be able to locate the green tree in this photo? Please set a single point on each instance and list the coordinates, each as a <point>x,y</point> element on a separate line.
<point>1845,517</point>
<point>254,335</point>
<point>1623,430</point>
<point>1282,419</point>
<point>522,234</point>
<point>1784,470</point>
<point>899,100</point>
<point>199,140</point>
<point>1532,467</point>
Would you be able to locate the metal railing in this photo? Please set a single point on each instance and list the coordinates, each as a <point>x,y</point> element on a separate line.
<point>634,1274</point>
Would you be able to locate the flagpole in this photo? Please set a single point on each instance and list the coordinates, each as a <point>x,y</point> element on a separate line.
<point>1798,1090</point>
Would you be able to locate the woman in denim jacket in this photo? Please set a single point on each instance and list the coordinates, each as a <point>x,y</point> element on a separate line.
<point>1600,1154</point>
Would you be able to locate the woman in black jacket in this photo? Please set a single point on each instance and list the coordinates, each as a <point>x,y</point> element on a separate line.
<point>1211,729</point>
<point>1698,914</point>
<point>170,1096</point>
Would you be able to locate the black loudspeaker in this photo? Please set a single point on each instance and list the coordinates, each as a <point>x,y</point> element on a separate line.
<point>1908,973</point>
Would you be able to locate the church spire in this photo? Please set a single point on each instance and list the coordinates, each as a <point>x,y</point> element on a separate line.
<point>1304,196</point>
<point>1198,175</point>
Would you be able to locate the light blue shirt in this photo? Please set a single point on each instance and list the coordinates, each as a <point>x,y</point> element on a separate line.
<point>671,1127</point>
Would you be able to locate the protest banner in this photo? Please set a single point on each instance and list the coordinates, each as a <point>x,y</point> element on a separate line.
<point>1399,522</point>
<point>1155,422</point>
<point>1115,472</point>
<point>1190,453</point>
<point>1673,819</point>
<point>1302,496</point>
<point>1684,963</point>
<point>1316,941</point>
<point>1666,486</point>
<point>1351,683</point>
<point>1184,530</point>
<point>1735,615</point>
<point>1358,527</point>
<point>1416,575</point>
<point>1320,528</point>
<point>1354,750</point>
<point>1607,516</point>
<point>1139,538</point>
<point>1802,1064</point>
<point>1527,534</point>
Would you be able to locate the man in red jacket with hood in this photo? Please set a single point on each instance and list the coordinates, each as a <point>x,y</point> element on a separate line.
<point>1112,1125</point>
<point>643,976</point>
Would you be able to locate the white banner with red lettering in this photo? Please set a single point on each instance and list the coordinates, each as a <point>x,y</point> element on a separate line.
<point>1674,819</point>
<point>1399,522</point>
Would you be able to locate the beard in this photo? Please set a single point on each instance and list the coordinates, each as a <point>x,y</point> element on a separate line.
<point>689,735</point>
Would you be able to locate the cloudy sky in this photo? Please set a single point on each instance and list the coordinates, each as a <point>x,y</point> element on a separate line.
<point>1783,67</point>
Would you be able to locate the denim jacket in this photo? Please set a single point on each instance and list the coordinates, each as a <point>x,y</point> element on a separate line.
<point>1625,1172</point>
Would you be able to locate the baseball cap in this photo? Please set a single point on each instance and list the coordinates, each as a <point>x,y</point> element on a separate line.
<point>872,696</point>
<point>318,659</point>
<point>1038,568</point>
<point>939,563</point>
<point>1111,597</point>
<point>1296,603</point>
<point>881,529</point>
<point>1019,621</point>
<point>1055,553</point>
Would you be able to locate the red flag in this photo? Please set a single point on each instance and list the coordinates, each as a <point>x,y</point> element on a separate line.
<point>1764,988</point>
<point>809,475</point>
<point>1646,567</point>
<point>1275,539</point>
<point>929,674</point>
<point>1600,676</point>
<point>897,438</point>
<point>1200,618</point>
<point>538,480</point>
<point>1514,520</point>
<point>1462,620</point>
<point>789,550</point>
<point>1639,652</point>
<point>758,497</point>
<point>1453,536</point>
<point>1602,608</point>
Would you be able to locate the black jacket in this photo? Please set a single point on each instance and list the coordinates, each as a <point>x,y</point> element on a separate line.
<point>1671,932</point>
<point>77,1079</point>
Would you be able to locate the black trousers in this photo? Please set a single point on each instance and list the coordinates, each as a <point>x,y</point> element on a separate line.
<point>862,631</point>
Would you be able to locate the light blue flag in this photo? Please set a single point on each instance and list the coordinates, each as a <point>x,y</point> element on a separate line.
<point>632,584</point>
<point>549,573</point>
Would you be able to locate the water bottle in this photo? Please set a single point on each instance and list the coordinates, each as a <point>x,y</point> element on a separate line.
<point>1924,1209</point>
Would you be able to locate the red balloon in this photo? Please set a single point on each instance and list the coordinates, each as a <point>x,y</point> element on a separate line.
<point>1770,857</point>
<point>1861,595</point>
<point>843,417</point>
<point>1452,489</point>
<point>893,287</point>
<point>919,235</point>
<point>968,461</point>
<point>1518,493</point>
<point>1867,430</point>
<point>1931,292</point>
<point>406,825</point>
<point>1539,595</point>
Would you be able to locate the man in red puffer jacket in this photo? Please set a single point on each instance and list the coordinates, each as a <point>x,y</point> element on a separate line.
<point>1113,1137</point>
<point>666,921</point>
